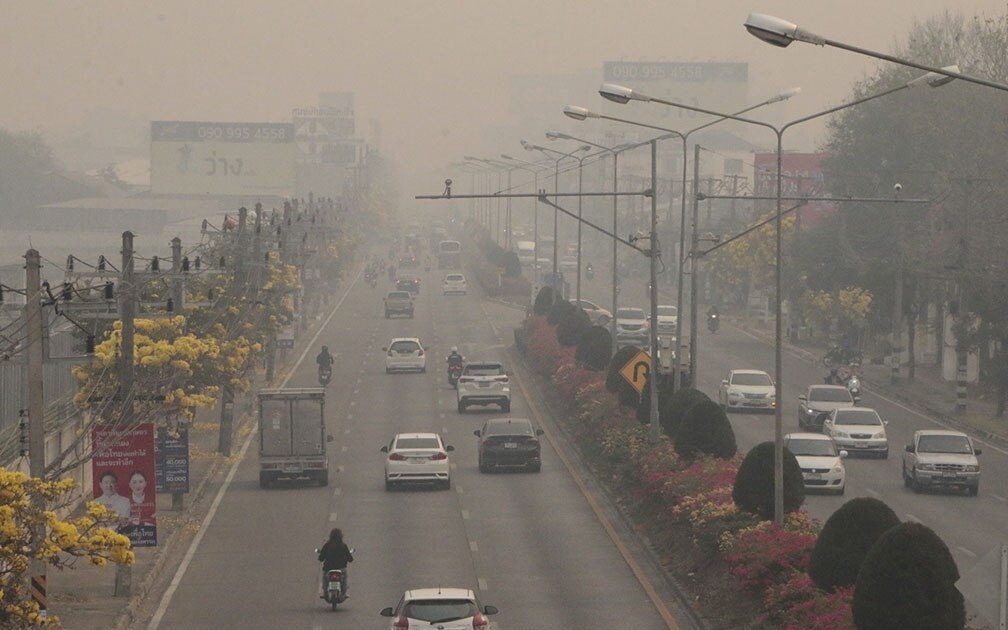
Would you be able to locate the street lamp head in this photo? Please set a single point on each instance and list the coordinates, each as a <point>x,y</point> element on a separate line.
<point>555,135</point>
<point>621,94</point>
<point>935,79</point>
<point>471,158</point>
<point>578,113</point>
<point>778,32</point>
<point>505,156</point>
<point>527,145</point>
<point>785,95</point>
<point>584,147</point>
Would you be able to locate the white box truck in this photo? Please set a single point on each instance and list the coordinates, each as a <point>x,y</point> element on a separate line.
<point>292,435</point>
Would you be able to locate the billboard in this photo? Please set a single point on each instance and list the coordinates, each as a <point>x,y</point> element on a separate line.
<point>171,453</point>
<point>717,86</point>
<point>323,134</point>
<point>123,473</point>
<point>802,175</point>
<point>210,158</point>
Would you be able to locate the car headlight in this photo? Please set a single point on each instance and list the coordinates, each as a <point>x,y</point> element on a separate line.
<point>925,466</point>
<point>838,468</point>
<point>732,393</point>
<point>810,411</point>
<point>972,468</point>
<point>879,436</point>
<point>841,434</point>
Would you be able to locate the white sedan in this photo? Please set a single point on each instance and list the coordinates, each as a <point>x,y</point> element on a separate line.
<point>858,429</point>
<point>820,461</point>
<point>454,283</point>
<point>442,607</point>
<point>405,353</point>
<point>417,458</point>
<point>747,389</point>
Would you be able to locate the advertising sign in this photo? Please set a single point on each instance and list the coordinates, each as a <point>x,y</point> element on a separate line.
<point>123,473</point>
<point>222,158</point>
<point>322,135</point>
<point>802,175</point>
<point>171,450</point>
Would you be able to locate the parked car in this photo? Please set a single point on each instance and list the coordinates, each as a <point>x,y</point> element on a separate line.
<point>632,327</point>
<point>858,429</point>
<point>568,264</point>
<point>596,313</point>
<point>509,443</point>
<point>484,383</point>
<point>454,283</point>
<point>820,461</point>
<point>819,400</point>
<point>405,353</point>
<point>398,303</point>
<point>417,458</point>
<point>747,389</point>
<point>441,607</point>
<point>667,318</point>
<point>408,283</point>
<point>941,458</point>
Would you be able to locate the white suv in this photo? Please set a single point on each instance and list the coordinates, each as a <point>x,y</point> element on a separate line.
<point>405,353</point>
<point>484,383</point>
<point>445,608</point>
<point>454,283</point>
<point>941,458</point>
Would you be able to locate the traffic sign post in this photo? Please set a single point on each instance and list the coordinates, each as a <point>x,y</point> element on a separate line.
<point>636,370</point>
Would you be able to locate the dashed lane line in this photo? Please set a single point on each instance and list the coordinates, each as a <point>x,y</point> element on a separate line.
<point>473,546</point>
<point>966,551</point>
<point>482,583</point>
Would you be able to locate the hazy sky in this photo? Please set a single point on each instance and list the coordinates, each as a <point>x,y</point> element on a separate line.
<point>433,73</point>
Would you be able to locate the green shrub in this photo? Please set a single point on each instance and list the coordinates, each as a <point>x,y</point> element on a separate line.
<point>512,266</point>
<point>845,540</point>
<point>615,382</point>
<point>907,580</point>
<point>674,408</point>
<point>594,349</point>
<point>544,300</point>
<point>705,429</point>
<point>571,322</point>
<point>754,484</point>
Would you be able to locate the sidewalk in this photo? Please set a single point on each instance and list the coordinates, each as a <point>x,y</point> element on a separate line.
<point>928,392</point>
<point>83,597</point>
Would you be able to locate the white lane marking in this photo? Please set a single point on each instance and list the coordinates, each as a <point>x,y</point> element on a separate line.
<point>343,448</point>
<point>444,429</point>
<point>473,546</point>
<point>966,551</point>
<point>353,403</point>
<point>339,468</point>
<point>453,466</point>
<point>333,517</point>
<point>349,416</point>
<point>356,391</point>
<point>442,415</point>
<point>465,515</point>
<point>458,489</point>
<point>346,431</point>
<point>911,517</point>
<point>205,524</point>
<point>872,492</point>
<point>482,584</point>
<point>999,497</point>
<point>337,492</point>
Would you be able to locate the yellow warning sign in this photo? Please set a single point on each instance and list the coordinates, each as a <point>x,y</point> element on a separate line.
<point>636,370</point>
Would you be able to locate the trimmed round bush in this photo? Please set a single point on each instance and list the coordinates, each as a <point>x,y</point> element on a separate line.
<point>512,266</point>
<point>544,300</point>
<point>594,349</point>
<point>907,580</point>
<point>705,430</point>
<point>672,409</point>
<point>754,483</point>
<point>571,322</point>
<point>845,540</point>
<point>615,382</point>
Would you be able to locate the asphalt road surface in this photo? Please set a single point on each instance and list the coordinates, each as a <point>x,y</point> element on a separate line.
<point>527,543</point>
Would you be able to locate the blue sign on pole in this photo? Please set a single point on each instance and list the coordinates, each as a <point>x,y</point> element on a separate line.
<point>171,453</point>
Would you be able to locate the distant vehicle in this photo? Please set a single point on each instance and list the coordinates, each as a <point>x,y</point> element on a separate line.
<point>408,283</point>
<point>292,435</point>
<point>545,246</point>
<point>568,263</point>
<point>571,249</point>
<point>407,261</point>
<point>405,353</point>
<point>417,458</point>
<point>398,303</point>
<point>454,283</point>
<point>820,462</point>
<point>632,327</point>
<point>526,252</point>
<point>484,383</point>
<point>858,429</point>
<point>509,443</point>
<point>667,318</point>
<point>425,607</point>
<point>449,255</point>
<point>941,458</point>
<point>747,389</point>
<point>818,401</point>
<point>596,313</point>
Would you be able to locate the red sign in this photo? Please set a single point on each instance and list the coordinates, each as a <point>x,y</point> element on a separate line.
<point>123,473</point>
<point>802,176</point>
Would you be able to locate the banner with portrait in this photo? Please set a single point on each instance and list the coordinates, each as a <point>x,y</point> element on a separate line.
<point>123,472</point>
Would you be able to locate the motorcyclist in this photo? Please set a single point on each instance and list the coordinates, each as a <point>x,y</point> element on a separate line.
<point>324,359</point>
<point>712,312</point>
<point>454,359</point>
<point>335,554</point>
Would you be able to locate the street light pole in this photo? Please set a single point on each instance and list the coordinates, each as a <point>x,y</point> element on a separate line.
<point>556,188</point>
<point>655,375</point>
<point>535,207</point>
<point>622,94</point>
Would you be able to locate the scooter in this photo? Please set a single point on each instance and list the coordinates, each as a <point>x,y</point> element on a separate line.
<point>454,372</point>
<point>854,387</point>
<point>332,586</point>
<point>589,272</point>
<point>712,322</point>
<point>324,374</point>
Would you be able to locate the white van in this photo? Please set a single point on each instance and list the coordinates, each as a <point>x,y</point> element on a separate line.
<point>526,252</point>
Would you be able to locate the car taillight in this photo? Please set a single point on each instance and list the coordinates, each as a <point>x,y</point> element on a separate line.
<point>419,353</point>
<point>391,354</point>
<point>501,379</point>
<point>439,456</point>
<point>480,622</point>
<point>401,623</point>
<point>396,457</point>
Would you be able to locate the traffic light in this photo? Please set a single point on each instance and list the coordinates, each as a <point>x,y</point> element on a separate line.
<point>108,291</point>
<point>185,264</point>
<point>170,305</point>
<point>101,262</point>
<point>67,293</point>
<point>90,343</point>
<point>155,264</point>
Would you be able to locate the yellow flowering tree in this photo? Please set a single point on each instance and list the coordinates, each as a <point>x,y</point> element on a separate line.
<point>845,309</point>
<point>749,262</point>
<point>28,506</point>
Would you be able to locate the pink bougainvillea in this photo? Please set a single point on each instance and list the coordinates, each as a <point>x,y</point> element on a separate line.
<point>762,555</point>
<point>797,604</point>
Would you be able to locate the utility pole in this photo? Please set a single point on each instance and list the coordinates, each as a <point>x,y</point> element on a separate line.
<point>897,316</point>
<point>694,269</point>
<point>36,410</point>
<point>127,313</point>
<point>178,306</point>
<point>961,353</point>
<point>654,374</point>
<point>236,290</point>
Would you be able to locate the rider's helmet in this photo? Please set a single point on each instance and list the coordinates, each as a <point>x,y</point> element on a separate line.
<point>454,349</point>
<point>325,348</point>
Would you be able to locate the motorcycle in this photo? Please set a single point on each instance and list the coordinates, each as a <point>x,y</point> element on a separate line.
<point>589,272</point>
<point>332,586</point>
<point>854,387</point>
<point>454,372</point>
<point>837,355</point>
<point>324,374</point>
<point>373,281</point>
<point>712,322</point>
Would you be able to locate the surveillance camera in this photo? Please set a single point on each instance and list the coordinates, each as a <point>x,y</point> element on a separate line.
<point>448,182</point>
<point>898,187</point>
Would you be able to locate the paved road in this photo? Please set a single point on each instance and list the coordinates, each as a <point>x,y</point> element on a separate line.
<point>527,542</point>
<point>972,527</point>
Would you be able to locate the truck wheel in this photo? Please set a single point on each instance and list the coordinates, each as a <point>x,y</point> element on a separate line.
<point>388,486</point>
<point>506,407</point>
<point>974,490</point>
<point>264,480</point>
<point>323,478</point>
<point>461,406</point>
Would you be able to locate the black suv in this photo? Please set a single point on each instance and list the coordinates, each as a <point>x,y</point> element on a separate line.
<point>409,284</point>
<point>509,443</point>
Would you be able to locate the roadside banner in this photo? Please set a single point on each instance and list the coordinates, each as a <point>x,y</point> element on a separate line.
<point>171,450</point>
<point>123,472</point>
